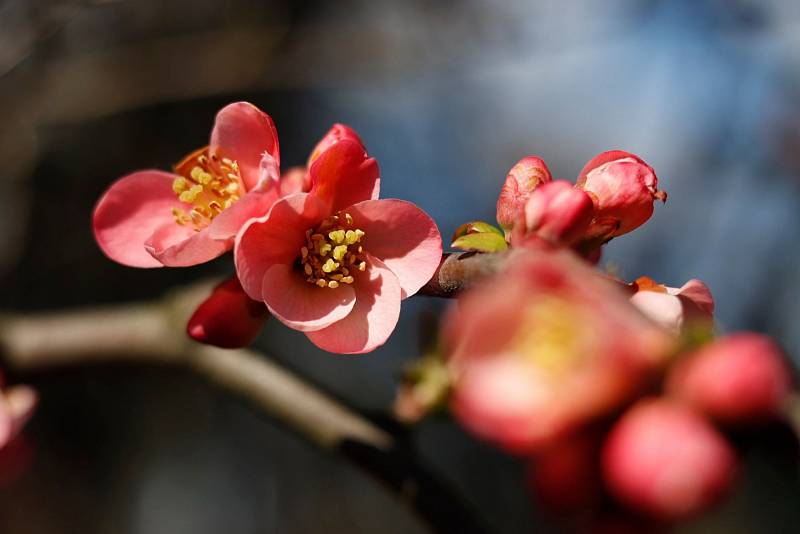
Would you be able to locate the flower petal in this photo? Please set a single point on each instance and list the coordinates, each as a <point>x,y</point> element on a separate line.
<point>242,132</point>
<point>301,305</point>
<point>275,238</point>
<point>343,175</point>
<point>176,245</point>
<point>20,401</point>
<point>253,205</point>
<point>335,134</point>
<point>403,236</point>
<point>373,317</point>
<point>130,211</point>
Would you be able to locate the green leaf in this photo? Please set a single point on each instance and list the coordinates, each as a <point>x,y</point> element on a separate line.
<point>481,242</point>
<point>475,227</point>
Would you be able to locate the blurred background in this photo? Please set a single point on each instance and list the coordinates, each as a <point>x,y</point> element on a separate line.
<point>447,95</point>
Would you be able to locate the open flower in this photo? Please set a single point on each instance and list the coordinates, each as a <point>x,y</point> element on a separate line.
<point>673,308</point>
<point>544,347</point>
<point>154,218</point>
<point>336,262</point>
<point>623,188</point>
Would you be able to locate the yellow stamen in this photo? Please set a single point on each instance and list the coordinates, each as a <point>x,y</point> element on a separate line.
<point>330,249</point>
<point>339,252</point>
<point>337,236</point>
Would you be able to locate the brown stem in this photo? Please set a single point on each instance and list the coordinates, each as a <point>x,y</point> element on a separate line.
<point>459,271</point>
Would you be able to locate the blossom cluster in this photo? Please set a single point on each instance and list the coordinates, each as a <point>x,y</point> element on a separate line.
<point>314,247</point>
<point>613,391</point>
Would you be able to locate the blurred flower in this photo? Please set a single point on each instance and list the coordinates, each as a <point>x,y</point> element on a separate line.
<point>623,188</point>
<point>544,347</point>
<point>336,262</point>
<point>523,178</point>
<point>740,378</point>
<point>228,318</point>
<point>16,407</point>
<point>675,309</point>
<point>664,460</point>
<point>556,212</point>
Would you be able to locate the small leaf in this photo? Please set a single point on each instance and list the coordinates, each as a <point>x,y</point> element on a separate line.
<point>482,242</point>
<point>475,227</point>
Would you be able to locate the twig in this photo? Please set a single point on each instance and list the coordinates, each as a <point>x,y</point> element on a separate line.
<point>460,271</point>
<point>153,333</point>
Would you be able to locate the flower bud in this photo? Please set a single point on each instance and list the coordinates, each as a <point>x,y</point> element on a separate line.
<point>558,213</point>
<point>623,188</point>
<point>740,378</point>
<point>528,174</point>
<point>334,135</point>
<point>675,309</point>
<point>228,318</point>
<point>664,460</point>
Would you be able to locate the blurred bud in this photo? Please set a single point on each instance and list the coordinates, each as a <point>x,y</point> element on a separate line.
<point>623,188</point>
<point>557,212</point>
<point>737,379</point>
<point>565,476</point>
<point>675,309</point>
<point>528,174</point>
<point>17,404</point>
<point>664,460</point>
<point>334,135</point>
<point>295,180</point>
<point>570,349</point>
<point>228,318</point>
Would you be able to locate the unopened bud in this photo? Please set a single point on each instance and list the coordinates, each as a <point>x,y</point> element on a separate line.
<point>558,212</point>
<point>528,174</point>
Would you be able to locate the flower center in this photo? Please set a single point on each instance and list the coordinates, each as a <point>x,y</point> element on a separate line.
<point>550,336</point>
<point>333,252</point>
<point>209,184</point>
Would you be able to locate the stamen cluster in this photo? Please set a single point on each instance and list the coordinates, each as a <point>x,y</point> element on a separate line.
<point>333,252</point>
<point>209,185</point>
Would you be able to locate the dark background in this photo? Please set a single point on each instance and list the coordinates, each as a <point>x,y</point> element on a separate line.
<point>447,95</point>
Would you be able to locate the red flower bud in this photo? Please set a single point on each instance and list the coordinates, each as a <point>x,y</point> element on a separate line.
<point>528,174</point>
<point>623,188</point>
<point>228,318</point>
<point>558,213</point>
<point>737,379</point>
<point>665,460</point>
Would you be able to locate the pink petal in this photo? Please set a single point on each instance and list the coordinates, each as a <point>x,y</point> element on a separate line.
<point>295,180</point>
<point>697,292</point>
<point>343,175</point>
<point>254,204</point>
<point>403,236</point>
<point>301,305</point>
<point>6,422</point>
<point>334,135</point>
<point>176,245</point>
<point>602,159</point>
<point>130,211</point>
<point>275,238</point>
<point>242,132</point>
<point>373,317</point>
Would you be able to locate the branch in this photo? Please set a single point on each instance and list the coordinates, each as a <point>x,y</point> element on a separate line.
<point>154,333</point>
<point>459,271</point>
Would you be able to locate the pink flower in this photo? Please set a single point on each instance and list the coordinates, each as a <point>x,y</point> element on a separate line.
<point>153,218</point>
<point>228,318</point>
<point>523,178</point>
<point>16,407</point>
<point>545,347</point>
<point>556,212</point>
<point>664,460</point>
<point>674,309</point>
<point>623,188</point>
<point>741,378</point>
<point>336,262</point>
